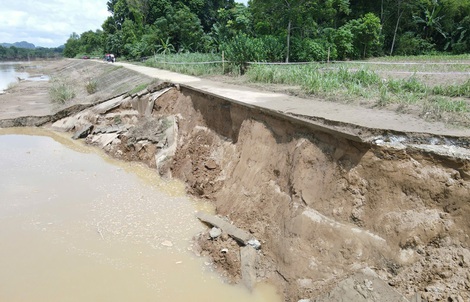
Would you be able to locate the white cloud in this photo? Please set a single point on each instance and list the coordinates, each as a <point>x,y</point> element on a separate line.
<point>49,23</point>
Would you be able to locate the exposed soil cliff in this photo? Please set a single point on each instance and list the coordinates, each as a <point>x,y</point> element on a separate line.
<point>323,206</point>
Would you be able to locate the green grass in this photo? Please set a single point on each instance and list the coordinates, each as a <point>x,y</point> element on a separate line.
<point>453,90</point>
<point>423,58</point>
<point>316,80</point>
<point>345,84</point>
<point>190,63</point>
<point>409,67</point>
<point>61,91</point>
<point>138,88</point>
<point>442,104</point>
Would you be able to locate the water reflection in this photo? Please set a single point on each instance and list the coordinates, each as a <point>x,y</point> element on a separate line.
<point>74,227</point>
<point>12,72</point>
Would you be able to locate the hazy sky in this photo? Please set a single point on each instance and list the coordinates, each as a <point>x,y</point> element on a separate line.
<point>49,23</point>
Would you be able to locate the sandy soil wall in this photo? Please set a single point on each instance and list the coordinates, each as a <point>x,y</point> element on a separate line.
<point>325,207</point>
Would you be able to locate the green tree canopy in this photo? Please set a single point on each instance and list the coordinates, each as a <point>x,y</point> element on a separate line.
<point>302,29</point>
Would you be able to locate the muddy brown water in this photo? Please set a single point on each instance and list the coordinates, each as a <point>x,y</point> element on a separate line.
<point>78,226</point>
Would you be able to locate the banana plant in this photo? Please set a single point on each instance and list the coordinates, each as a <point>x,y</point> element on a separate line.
<point>165,47</point>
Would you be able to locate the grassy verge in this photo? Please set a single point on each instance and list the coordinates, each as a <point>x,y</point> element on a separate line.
<point>399,85</point>
<point>197,64</point>
<point>343,84</point>
<point>408,67</point>
<point>423,58</point>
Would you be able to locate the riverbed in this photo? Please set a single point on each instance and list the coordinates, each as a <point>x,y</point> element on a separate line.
<point>76,225</point>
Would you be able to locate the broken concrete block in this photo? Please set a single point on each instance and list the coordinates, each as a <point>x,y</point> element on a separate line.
<point>238,234</point>
<point>254,244</point>
<point>83,132</point>
<point>248,259</point>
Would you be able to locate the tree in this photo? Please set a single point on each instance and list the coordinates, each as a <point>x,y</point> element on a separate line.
<point>297,18</point>
<point>307,28</point>
<point>400,8</point>
<point>91,42</point>
<point>185,29</point>
<point>72,46</point>
<point>114,44</point>
<point>366,35</point>
<point>165,47</point>
<point>231,22</point>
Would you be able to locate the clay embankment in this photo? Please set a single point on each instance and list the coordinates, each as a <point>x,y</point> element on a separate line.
<point>367,221</point>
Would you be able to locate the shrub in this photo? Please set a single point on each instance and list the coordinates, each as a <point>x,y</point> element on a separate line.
<point>61,91</point>
<point>91,86</point>
<point>242,49</point>
<point>273,49</point>
<point>411,45</point>
<point>343,39</point>
<point>307,50</point>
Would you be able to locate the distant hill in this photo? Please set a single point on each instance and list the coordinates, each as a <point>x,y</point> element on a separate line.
<point>22,44</point>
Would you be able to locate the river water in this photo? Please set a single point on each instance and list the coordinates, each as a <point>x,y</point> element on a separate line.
<point>11,71</point>
<point>76,225</point>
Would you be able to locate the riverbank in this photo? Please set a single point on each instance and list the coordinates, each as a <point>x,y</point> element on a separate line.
<point>335,205</point>
<point>77,225</point>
